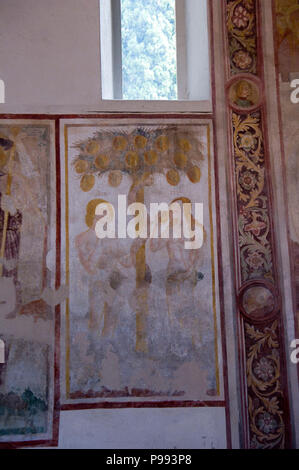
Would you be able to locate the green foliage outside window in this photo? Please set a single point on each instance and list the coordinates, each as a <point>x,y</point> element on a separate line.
<point>148,49</point>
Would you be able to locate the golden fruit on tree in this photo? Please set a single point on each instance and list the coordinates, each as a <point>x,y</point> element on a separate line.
<point>101,162</point>
<point>87,183</point>
<point>119,143</point>
<point>132,159</point>
<point>150,157</point>
<point>93,147</point>
<point>194,174</point>
<point>173,177</point>
<point>81,166</point>
<point>115,178</point>
<point>180,159</point>
<point>140,141</point>
<point>185,145</point>
<point>162,143</point>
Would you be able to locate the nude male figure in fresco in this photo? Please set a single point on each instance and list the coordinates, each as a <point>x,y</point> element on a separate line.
<point>105,261</point>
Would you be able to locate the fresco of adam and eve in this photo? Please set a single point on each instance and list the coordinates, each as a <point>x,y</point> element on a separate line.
<point>142,313</point>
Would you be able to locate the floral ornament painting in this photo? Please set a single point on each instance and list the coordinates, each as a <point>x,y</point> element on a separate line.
<point>241,24</point>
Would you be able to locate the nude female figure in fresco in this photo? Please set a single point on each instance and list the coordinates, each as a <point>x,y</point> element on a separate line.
<point>182,277</point>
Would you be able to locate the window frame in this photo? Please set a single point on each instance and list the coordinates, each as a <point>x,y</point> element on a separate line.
<point>110,60</point>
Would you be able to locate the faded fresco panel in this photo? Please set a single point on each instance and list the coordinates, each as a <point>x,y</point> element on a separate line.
<point>142,317</point>
<point>27,233</point>
<point>290,123</point>
<point>287,37</point>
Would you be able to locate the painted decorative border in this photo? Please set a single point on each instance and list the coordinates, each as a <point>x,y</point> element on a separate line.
<point>264,391</point>
<point>242,37</point>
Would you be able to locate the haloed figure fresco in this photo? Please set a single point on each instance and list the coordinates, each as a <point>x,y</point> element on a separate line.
<point>26,318</point>
<point>141,315</point>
